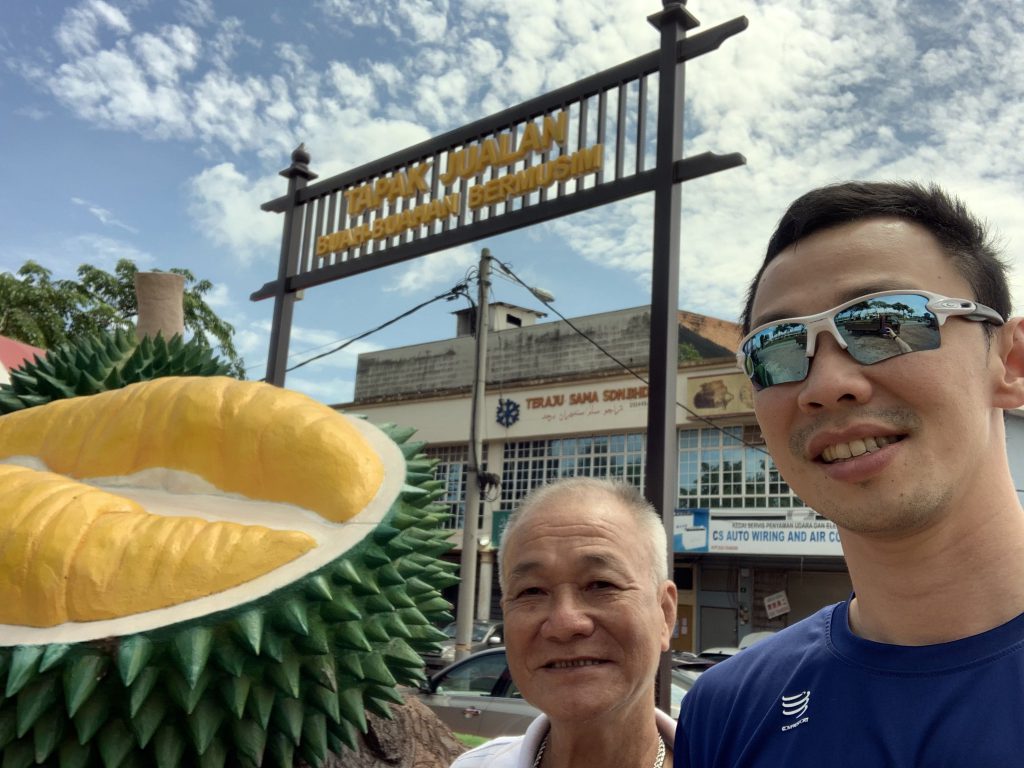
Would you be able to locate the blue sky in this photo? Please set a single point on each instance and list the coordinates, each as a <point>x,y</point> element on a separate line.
<point>154,131</point>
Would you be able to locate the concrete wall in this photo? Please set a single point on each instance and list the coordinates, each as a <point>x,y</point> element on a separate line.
<point>542,352</point>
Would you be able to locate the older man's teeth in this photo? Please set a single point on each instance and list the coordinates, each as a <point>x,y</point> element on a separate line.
<point>854,448</point>
<point>574,663</point>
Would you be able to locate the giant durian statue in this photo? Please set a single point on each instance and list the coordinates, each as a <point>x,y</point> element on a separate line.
<point>203,571</point>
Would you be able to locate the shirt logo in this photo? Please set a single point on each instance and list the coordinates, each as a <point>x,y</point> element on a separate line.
<point>795,706</point>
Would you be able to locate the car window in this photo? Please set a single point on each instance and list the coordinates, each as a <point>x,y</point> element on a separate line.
<point>682,681</point>
<point>475,677</point>
<point>513,691</point>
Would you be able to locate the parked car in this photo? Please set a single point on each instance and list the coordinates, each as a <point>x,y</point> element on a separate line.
<point>486,634</point>
<point>718,653</point>
<point>688,660</point>
<point>723,652</point>
<point>477,695</point>
<point>755,637</point>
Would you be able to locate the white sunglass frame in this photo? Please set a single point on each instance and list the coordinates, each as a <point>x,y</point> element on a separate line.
<point>942,307</point>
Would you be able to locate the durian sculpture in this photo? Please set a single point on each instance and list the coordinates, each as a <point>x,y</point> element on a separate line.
<point>202,571</point>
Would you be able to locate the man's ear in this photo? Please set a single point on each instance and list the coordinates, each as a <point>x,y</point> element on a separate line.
<point>669,605</point>
<point>1008,345</point>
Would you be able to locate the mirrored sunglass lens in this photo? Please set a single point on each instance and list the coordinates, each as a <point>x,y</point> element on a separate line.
<point>777,355</point>
<point>888,326</point>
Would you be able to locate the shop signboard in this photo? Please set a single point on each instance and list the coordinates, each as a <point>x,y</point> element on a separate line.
<point>755,532</point>
<point>776,604</point>
<point>719,394</point>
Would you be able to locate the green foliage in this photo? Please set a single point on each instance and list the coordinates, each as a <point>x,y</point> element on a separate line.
<point>38,310</point>
<point>103,361</point>
<point>688,352</point>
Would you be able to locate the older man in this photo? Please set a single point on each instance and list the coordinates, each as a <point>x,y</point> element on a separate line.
<point>588,610</point>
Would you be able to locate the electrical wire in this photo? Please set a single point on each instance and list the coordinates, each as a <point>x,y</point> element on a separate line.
<point>508,270</point>
<point>460,289</point>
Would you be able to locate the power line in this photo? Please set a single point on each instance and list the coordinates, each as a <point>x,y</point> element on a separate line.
<point>460,289</point>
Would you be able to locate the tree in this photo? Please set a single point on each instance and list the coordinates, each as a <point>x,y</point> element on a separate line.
<point>44,312</point>
<point>34,309</point>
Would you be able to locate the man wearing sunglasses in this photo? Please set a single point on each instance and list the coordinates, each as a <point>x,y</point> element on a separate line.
<point>882,360</point>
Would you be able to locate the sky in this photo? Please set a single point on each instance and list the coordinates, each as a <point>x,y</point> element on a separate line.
<point>154,130</point>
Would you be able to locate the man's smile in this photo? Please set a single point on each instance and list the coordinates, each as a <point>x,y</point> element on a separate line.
<point>857,447</point>
<point>571,663</point>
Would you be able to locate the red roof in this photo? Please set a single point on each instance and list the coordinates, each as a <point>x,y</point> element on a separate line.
<point>14,353</point>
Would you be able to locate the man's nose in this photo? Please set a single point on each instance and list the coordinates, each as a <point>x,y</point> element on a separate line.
<point>568,617</point>
<point>834,377</point>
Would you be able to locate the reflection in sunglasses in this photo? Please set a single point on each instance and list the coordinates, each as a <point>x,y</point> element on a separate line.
<point>871,328</point>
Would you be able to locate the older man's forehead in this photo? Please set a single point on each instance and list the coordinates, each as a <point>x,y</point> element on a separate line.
<point>586,561</point>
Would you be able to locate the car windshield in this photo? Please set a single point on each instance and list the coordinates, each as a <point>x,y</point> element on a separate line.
<point>682,681</point>
<point>479,631</point>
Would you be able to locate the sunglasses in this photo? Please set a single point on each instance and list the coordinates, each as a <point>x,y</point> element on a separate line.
<point>872,328</point>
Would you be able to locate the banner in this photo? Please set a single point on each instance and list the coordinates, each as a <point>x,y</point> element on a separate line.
<point>755,532</point>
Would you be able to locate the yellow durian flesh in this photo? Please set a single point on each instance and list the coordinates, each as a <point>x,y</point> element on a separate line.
<point>253,439</point>
<point>71,552</point>
<point>196,494</point>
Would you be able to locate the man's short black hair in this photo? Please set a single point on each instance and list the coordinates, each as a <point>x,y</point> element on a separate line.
<point>963,237</point>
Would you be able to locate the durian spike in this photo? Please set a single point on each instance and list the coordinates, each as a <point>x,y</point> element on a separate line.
<point>191,650</point>
<point>81,678</point>
<point>133,654</point>
<point>34,700</point>
<point>23,667</point>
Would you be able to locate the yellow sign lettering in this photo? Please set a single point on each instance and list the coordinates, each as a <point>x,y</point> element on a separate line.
<point>535,177</point>
<point>502,150</point>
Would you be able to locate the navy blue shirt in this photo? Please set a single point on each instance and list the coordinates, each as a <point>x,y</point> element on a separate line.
<point>817,695</point>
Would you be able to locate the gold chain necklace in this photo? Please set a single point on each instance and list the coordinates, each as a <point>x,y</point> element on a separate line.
<point>659,761</point>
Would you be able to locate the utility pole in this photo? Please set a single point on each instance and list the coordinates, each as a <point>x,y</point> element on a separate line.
<point>467,571</point>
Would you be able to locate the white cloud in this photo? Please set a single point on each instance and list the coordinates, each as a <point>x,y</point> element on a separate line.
<point>252,344</point>
<point>105,216</point>
<point>481,56</point>
<point>225,43</point>
<point>441,269</point>
<point>104,252</point>
<point>175,48</point>
<point>226,109</point>
<point>425,19</point>
<point>355,90</point>
<point>32,113</point>
<point>198,13</point>
<point>111,89</point>
<point>219,297</point>
<point>226,206</point>
<point>79,30</point>
<point>412,21</point>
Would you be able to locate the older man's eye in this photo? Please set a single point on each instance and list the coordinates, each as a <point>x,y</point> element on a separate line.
<point>529,592</point>
<point>599,585</point>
